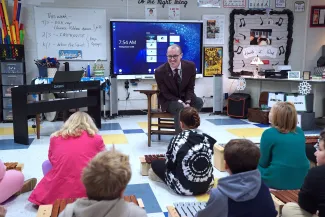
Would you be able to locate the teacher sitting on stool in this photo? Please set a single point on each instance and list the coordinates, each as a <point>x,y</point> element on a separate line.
<point>176,81</point>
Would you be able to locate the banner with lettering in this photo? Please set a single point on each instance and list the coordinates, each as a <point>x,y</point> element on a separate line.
<point>209,3</point>
<point>260,51</point>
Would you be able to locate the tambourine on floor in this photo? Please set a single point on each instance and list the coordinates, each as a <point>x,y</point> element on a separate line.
<point>59,205</point>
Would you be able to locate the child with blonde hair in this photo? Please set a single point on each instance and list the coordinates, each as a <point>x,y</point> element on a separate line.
<point>105,178</point>
<point>283,163</point>
<point>71,148</point>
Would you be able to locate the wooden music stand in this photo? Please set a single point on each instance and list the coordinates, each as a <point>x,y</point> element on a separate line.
<point>165,119</point>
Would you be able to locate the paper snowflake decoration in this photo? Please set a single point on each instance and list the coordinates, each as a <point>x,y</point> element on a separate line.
<point>304,88</point>
<point>241,84</point>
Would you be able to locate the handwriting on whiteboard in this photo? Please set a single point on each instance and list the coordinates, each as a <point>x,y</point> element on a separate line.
<point>71,29</point>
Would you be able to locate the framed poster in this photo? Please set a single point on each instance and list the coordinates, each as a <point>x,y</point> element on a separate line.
<point>306,75</point>
<point>209,3</point>
<point>213,57</point>
<point>174,12</point>
<point>150,12</point>
<point>294,75</point>
<point>299,6</point>
<point>213,29</point>
<point>317,16</point>
<point>280,3</point>
<point>234,3</point>
<point>257,4</point>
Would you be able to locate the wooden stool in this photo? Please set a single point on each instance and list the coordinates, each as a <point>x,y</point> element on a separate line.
<point>165,120</point>
<point>59,205</point>
<point>281,197</point>
<point>218,158</point>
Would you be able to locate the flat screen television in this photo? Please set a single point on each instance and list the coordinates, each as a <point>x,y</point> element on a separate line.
<point>138,47</point>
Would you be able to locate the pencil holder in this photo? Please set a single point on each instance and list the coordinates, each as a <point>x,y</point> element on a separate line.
<point>51,72</point>
<point>42,71</point>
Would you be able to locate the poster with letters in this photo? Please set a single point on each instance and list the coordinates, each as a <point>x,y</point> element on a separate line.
<point>174,12</point>
<point>299,102</point>
<point>274,98</point>
<point>209,3</point>
<point>234,3</point>
<point>214,29</point>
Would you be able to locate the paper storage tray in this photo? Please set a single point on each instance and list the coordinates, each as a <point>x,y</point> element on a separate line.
<point>12,79</point>
<point>6,91</point>
<point>7,103</point>
<point>11,67</point>
<point>7,115</point>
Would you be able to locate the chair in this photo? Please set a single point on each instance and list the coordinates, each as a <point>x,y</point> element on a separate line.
<point>166,125</point>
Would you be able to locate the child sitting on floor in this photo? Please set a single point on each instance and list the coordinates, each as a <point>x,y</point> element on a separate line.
<point>12,183</point>
<point>188,169</point>
<point>312,193</point>
<point>71,148</point>
<point>242,193</point>
<point>105,179</point>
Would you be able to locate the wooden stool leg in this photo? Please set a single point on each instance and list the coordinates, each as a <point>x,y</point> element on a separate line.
<point>159,121</point>
<point>149,120</point>
<point>38,126</point>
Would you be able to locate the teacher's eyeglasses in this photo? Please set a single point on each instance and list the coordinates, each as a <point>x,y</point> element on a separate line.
<point>173,57</point>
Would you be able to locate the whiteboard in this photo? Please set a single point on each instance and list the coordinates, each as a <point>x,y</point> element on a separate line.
<point>71,34</point>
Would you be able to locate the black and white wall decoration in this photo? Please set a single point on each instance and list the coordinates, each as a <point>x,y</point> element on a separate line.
<point>257,33</point>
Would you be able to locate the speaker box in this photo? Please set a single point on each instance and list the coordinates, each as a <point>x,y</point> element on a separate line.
<point>238,104</point>
<point>217,94</point>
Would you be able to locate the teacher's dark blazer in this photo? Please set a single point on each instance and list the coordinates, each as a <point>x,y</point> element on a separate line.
<point>168,88</point>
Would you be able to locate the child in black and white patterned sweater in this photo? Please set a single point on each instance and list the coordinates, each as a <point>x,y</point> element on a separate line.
<point>188,168</point>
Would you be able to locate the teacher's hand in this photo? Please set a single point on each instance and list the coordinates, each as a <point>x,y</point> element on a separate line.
<point>186,105</point>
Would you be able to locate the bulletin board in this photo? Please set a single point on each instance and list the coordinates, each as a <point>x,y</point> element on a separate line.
<point>258,33</point>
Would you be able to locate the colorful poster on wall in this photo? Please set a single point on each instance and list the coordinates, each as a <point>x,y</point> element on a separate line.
<point>209,3</point>
<point>317,16</point>
<point>174,12</point>
<point>150,12</point>
<point>234,3</point>
<point>214,29</point>
<point>213,57</point>
<point>70,54</point>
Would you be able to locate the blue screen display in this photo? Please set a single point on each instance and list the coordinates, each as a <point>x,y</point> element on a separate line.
<point>140,47</point>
